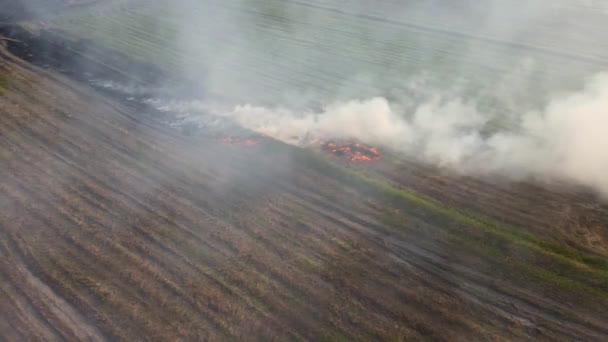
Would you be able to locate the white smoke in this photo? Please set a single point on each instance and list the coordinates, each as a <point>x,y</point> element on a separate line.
<point>489,104</point>
<point>566,140</point>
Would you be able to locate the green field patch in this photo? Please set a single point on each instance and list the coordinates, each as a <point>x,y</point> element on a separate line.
<point>4,84</point>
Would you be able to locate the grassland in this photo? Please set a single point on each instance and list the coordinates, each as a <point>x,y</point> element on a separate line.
<point>259,50</point>
<point>114,226</point>
<point>3,85</point>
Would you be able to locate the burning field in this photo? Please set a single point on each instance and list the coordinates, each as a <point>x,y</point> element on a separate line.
<point>352,151</point>
<point>115,225</point>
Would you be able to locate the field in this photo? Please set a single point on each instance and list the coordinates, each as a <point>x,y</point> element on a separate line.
<point>269,50</point>
<point>115,225</point>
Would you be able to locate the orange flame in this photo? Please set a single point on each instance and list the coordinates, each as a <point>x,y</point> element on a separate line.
<point>352,151</point>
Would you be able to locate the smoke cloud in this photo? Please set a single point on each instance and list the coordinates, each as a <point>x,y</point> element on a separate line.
<point>566,140</point>
<point>511,89</point>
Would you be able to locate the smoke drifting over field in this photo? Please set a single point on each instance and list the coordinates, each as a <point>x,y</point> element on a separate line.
<point>494,87</point>
<point>566,140</point>
<point>554,128</point>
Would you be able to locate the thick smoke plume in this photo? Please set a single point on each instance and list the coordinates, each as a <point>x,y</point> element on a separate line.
<point>566,140</point>
<point>509,88</point>
<point>515,89</point>
<point>349,58</point>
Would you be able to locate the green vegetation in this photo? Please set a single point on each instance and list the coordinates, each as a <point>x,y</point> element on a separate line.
<point>4,83</point>
<point>142,35</point>
<point>262,48</point>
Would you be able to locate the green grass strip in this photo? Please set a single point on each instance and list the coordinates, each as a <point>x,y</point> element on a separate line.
<point>597,264</point>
